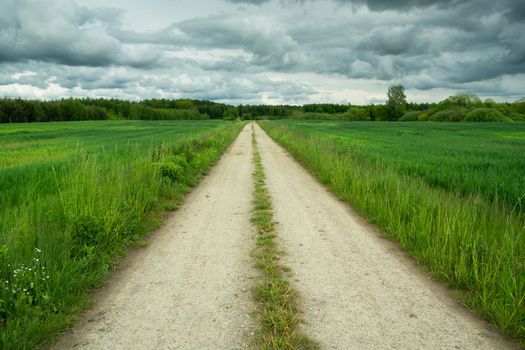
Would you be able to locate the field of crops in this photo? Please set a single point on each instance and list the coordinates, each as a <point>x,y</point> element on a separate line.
<point>73,196</point>
<point>451,194</point>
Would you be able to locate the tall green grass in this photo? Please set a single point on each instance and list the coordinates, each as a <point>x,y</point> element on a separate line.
<point>64,222</point>
<point>468,158</point>
<point>466,239</point>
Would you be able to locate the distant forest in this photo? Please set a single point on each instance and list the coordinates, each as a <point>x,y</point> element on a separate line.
<point>461,107</point>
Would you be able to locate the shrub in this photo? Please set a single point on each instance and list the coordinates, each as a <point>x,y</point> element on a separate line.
<point>423,117</point>
<point>517,117</point>
<point>231,113</point>
<point>410,116</point>
<point>173,167</point>
<point>355,113</point>
<point>449,115</point>
<point>431,111</point>
<point>318,116</point>
<point>485,115</point>
<point>462,100</point>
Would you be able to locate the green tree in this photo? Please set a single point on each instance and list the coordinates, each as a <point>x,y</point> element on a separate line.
<point>462,100</point>
<point>396,101</point>
<point>231,113</point>
<point>184,104</point>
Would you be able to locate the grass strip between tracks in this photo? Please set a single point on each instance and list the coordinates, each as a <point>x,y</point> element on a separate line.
<point>279,312</point>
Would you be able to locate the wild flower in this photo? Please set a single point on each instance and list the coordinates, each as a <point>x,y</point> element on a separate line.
<point>24,284</point>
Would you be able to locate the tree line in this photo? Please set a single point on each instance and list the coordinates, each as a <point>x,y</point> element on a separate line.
<point>460,107</point>
<point>25,111</point>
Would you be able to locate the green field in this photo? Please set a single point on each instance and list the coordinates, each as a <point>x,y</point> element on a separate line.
<point>32,143</point>
<point>73,196</point>
<point>450,193</point>
<point>465,158</point>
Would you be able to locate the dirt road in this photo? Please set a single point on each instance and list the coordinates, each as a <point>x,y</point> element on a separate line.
<point>190,289</point>
<point>359,291</point>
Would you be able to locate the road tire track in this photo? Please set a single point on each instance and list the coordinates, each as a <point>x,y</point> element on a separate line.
<point>359,290</point>
<point>190,288</point>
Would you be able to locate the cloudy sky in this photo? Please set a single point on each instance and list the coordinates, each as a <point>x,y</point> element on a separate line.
<point>262,51</point>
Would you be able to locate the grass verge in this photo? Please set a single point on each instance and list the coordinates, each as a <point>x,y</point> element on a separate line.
<point>63,230</point>
<point>470,243</point>
<point>280,318</point>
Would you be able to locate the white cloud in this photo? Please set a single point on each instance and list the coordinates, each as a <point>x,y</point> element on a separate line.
<point>271,51</point>
<point>19,75</point>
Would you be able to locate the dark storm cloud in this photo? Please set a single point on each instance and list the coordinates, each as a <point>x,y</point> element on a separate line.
<point>62,32</point>
<point>400,5</point>
<point>450,39</point>
<point>12,74</point>
<point>424,44</point>
<point>388,47</point>
<point>269,42</point>
<point>372,4</point>
<point>253,89</point>
<point>514,8</point>
<point>128,82</point>
<point>266,40</point>
<point>393,40</point>
<point>251,2</point>
<point>465,42</point>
